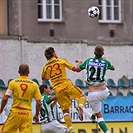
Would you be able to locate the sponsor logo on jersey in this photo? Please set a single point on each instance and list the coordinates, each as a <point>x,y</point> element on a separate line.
<point>97,64</point>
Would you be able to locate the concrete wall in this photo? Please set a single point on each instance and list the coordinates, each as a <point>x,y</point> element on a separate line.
<point>15,52</point>
<point>3,17</point>
<point>76,24</point>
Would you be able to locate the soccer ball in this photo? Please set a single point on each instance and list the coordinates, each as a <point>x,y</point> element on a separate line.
<point>93,12</point>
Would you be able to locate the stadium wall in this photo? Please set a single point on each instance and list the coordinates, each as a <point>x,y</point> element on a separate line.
<point>14,52</point>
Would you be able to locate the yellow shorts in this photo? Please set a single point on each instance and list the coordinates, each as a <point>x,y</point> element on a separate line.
<point>64,92</point>
<point>18,119</point>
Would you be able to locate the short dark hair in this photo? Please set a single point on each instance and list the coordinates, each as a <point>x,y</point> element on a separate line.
<point>41,87</point>
<point>99,51</point>
<point>23,69</point>
<point>49,52</point>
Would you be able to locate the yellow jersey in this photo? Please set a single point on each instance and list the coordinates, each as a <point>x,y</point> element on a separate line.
<point>55,69</point>
<point>23,90</point>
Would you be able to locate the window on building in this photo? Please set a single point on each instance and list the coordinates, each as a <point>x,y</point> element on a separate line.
<point>110,11</point>
<point>50,10</point>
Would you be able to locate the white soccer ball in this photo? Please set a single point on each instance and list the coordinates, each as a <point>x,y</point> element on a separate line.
<point>93,12</point>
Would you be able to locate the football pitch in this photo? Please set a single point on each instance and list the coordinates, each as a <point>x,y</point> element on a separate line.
<point>84,127</point>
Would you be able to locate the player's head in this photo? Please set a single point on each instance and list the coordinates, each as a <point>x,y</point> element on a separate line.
<point>45,89</point>
<point>23,70</point>
<point>99,51</point>
<point>49,53</point>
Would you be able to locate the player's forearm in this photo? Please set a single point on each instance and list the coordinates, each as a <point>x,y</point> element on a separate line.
<point>52,98</point>
<point>38,105</point>
<point>76,68</point>
<point>54,103</point>
<point>3,103</point>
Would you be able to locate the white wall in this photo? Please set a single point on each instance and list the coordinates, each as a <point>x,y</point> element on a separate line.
<point>15,52</point>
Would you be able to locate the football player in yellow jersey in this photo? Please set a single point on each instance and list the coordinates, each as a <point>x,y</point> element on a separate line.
<point>23,90</point>
<point>64,90</point>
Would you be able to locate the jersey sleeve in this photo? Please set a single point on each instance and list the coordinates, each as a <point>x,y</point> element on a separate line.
<point>8,92</point>
<point>109,65</point>
<point>37,94</point>
<point>43,72</point>
<point>47,99</point>
<point>10,86</point>
<point>83,65</point>
<point>67,64</point>
<point>10,89</point>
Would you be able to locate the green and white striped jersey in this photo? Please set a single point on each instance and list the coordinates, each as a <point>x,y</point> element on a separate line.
<point>96,70</point>
<point>46,111</point>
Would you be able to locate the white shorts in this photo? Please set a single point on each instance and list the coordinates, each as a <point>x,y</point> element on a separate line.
<point>96,97</point>
<point>53,127</point>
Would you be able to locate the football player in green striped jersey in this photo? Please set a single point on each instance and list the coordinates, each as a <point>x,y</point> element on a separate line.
<point>49,124</point>
<point>96,68</point>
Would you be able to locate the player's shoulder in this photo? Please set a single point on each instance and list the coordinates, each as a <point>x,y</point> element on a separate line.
<point>107,61</point>
<point>34,83</point>
<point>89,59</point>
<point>62,59</point>
<point>13,80</point>
<point>86,61</point>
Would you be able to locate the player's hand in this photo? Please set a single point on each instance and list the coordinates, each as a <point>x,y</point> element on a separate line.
<point>78,61</point>
<point>36,119</point>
